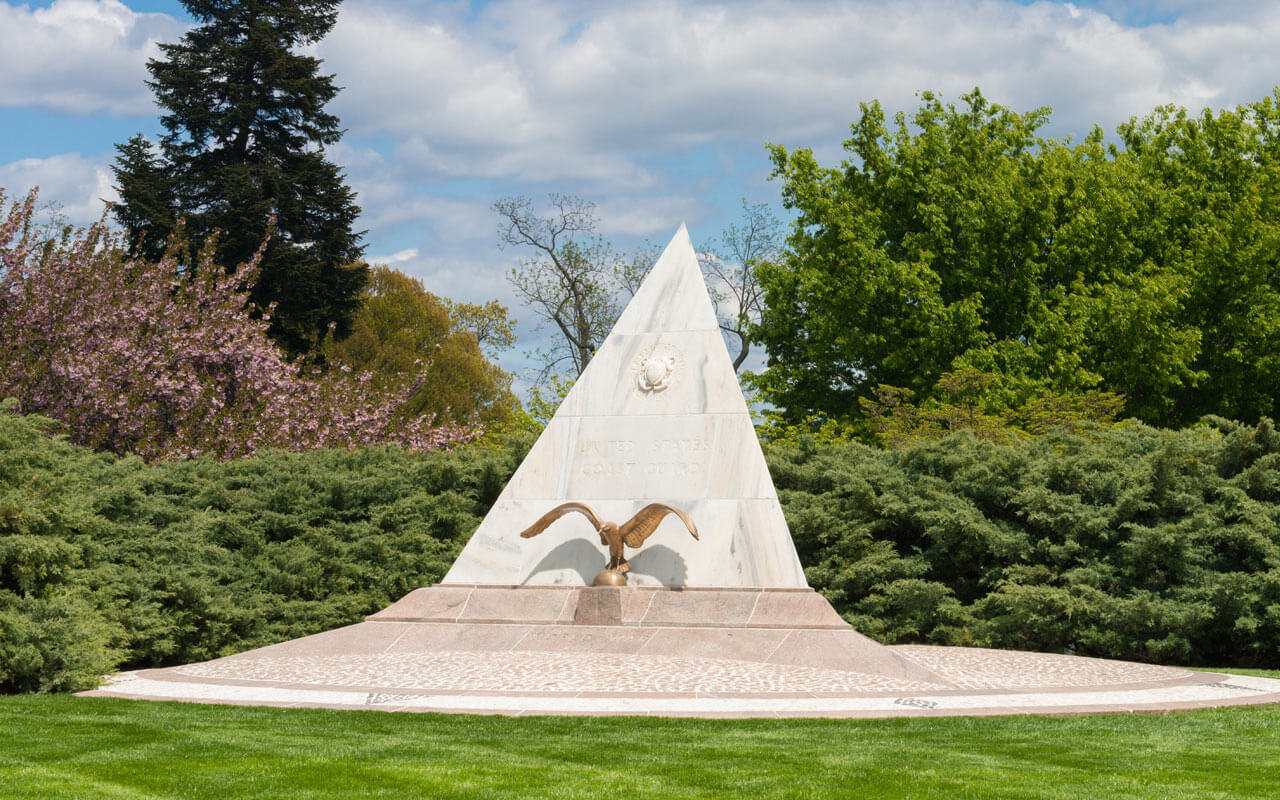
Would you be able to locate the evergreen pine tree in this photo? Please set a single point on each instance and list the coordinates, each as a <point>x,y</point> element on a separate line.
<point>147,203</point>
<point>244,136</point>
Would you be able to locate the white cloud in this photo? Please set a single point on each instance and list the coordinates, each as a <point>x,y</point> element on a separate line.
<point>653,217</point>
<point>571,92</point>
<point>395,258</point>
<point>80,56</point>
<point>78,187</point>
<point>606,99</point>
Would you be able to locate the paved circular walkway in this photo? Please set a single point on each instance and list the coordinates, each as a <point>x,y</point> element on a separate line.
<point>978,681</point>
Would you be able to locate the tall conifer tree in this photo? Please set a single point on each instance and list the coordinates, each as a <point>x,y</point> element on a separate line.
<point>244,136</point>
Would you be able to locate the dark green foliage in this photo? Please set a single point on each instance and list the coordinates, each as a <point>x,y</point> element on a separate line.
<point>148,208</point>
<point>54,644</point>
<point>895,421</point>
<point>245,130</point>
<point>1130,542</point>
<point>107,561</point>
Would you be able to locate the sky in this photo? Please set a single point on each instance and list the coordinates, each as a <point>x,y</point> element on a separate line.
<point>658,112</point>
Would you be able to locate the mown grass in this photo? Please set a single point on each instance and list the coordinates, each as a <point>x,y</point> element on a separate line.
<point>69,747</point>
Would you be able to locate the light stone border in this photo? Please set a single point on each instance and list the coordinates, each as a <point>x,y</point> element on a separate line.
<point>1218,690</point>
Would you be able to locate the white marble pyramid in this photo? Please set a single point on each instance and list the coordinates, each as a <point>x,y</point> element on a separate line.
<point>657,415</point>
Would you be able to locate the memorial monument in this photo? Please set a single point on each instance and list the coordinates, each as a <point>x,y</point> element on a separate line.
<point>542,612</point>
<point>655,432</point>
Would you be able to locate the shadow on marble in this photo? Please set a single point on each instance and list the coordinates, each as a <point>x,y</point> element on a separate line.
<point>661,564</point>
<point>576,555</point>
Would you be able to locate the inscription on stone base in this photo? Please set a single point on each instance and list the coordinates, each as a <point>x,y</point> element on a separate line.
<point>628,458</point>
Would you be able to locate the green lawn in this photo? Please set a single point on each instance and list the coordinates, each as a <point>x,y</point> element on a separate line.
<point>60,746</point>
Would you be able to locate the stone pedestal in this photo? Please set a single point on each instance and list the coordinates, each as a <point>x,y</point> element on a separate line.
<point>792,627</point>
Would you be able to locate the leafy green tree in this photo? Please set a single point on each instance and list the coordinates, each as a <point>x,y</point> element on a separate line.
<point>401,326</point>
<point>493,329</point>
<point>1209,214</point>
<point>896,421</point>
<point>963,239</point>
<point>245,131</point>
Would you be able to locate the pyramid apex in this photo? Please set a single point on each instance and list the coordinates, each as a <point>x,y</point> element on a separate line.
<point>673,296</point>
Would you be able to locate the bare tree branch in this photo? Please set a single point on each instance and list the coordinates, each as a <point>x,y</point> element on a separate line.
<point>572,282</point>
<point>730,270</point>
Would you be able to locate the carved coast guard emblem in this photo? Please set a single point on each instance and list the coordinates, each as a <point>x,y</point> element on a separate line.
<point>656,369</point>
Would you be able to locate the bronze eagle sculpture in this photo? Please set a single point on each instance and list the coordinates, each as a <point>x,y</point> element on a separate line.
<point>632,533</point>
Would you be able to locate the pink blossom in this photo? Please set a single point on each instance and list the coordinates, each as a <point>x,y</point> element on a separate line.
<point>136,357</point>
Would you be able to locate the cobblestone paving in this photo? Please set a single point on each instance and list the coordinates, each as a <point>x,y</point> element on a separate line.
<point>530,671</point>
<point>980,668</point>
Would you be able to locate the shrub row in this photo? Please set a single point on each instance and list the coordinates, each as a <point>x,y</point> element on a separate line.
<point>109,562</point>
<point>1129,542</point>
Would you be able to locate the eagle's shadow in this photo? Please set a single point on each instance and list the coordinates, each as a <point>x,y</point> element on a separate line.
<point>582,557</point>
<point>658,560</point>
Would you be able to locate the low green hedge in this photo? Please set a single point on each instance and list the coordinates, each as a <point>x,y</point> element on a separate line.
<point>1130,542</point>
<point>110,562</point>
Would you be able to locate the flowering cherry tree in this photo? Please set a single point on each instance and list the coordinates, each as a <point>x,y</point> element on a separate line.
<point>136,356</point>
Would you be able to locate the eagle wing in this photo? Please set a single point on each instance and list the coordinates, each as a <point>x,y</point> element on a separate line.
<point>558,512</point>
<point>645,522</point>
